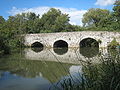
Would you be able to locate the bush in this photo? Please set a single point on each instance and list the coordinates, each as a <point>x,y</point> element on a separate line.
<point>113,44</point>
<point>102,76</point>
<point>4,49</point>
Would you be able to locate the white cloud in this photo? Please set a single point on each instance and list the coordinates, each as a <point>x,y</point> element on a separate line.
<point>74,14</point>
<point>104,2</point>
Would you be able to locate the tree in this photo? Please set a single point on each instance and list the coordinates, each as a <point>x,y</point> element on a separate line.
<point>53,21</point>
<point>4,49</point>
<point>61,23</point>
<point>112,22</point>
<point>2,20</point>
<point>116,15</point>
<point>116,10</point>
<point>94,16</point>
<point>23,23</point>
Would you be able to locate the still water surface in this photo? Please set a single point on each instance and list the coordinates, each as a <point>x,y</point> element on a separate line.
<point>43,69</point>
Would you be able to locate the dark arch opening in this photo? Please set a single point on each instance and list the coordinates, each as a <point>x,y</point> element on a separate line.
<point>89,42</point>
<point>37,44</point>
<point>89,47</point>
<point>60,47</point>
<point>37,47</point>
<point>60,44</point>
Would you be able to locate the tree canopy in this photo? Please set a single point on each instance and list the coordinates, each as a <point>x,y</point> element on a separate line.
<point>94,16</point>
<point>53,21</point>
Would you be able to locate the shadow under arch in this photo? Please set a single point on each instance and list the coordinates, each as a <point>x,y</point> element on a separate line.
<point>60,44</point>
<point>89,47</point>
<point>37,46</point>
<point>60,47</point>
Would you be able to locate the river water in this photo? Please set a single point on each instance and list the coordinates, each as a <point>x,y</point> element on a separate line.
<point>43,69</point>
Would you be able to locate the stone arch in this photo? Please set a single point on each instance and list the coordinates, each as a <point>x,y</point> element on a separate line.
<point>92,47</point>
<point>37,44</point>
<point>37,47</point>
<point>60,44</point>
<point>89,42</point>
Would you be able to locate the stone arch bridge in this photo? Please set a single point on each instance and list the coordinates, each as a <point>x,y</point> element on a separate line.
<point>72,39</point>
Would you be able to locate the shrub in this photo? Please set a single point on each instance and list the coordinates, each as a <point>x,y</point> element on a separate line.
<point>113,44</point>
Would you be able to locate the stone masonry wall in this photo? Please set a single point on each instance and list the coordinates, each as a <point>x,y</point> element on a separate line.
<point>72,38</point>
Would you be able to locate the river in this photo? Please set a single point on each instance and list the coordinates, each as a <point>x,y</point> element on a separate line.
<point>43,69</point>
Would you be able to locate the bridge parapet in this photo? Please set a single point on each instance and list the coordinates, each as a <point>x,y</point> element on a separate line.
<point>72,38</point>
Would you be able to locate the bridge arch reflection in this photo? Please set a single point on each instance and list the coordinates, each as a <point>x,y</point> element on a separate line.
<point>89,47</point>
<point>60,51</point>
<point>89,52</point>
<point>73,55</point>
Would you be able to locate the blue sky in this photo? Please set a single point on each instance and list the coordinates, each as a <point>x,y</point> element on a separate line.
<point>75,8</point>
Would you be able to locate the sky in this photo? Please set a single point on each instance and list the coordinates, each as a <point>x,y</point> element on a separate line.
<point>75,8</point>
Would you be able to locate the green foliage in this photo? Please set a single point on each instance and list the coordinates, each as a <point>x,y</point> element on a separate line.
<point>2,20</point>
<point>113,44</point>
<point>116,11</point>
<point>4,49</point>
<point>54,21</point>
<point>101,76</point>
<point>116,15</point>
<point>8,32</point>
<point>94,16</point>
<point>102,19</point>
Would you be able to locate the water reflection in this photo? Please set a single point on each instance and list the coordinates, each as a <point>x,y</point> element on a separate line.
<point>74,77</point>
<point>89,52</point>
<point>76,73</point>
<point>60,51</point>
<point>75,69</point>
<point>17,73</point>
<point>52,71</point>
<point>65,55</point>
<point>39,49</point>
<point>42,70</point>
<point>10,81</point>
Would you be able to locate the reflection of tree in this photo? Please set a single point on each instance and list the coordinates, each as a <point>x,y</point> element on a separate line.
<point>30,69</point>
<point>89,52</point>
<point>37,49</point>
<point>1,74</point>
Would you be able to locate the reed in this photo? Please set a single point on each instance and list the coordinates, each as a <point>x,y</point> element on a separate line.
<point>102,76</point>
